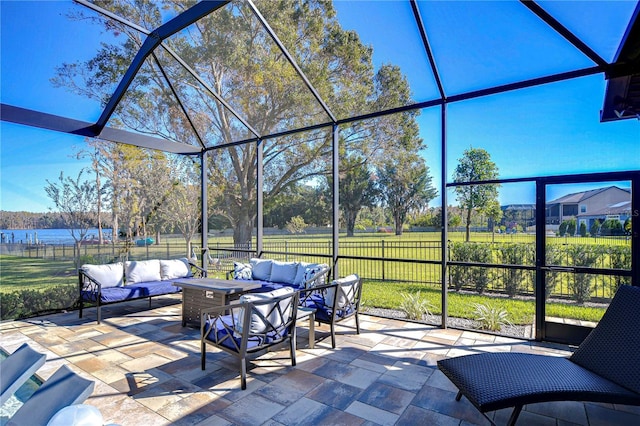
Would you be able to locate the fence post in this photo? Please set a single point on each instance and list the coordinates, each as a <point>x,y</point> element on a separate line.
<point>168,254</point>
<point>383,262</point>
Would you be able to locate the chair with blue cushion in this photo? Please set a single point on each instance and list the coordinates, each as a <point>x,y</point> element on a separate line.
<point>334,302</point>
<point>250,327</point>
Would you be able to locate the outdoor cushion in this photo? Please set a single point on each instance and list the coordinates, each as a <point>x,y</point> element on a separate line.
<point>221,328</point>
<point>284,272</point>
<point>133,291</point>
<point>175,268</point>
<point>108,275</point>
<point>142,271</point>
<point>261,269</point>
<point>310,271</point>
<point>268,310</point>
<point>346,290</point>
<point>242,271</point>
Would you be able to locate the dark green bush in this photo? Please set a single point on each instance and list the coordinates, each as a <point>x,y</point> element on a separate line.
<point>470,276</point>
<point>515,280</point>
<point>28,303</point>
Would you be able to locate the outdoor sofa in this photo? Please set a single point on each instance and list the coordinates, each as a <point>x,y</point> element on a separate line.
<point>123,281</point>
<point>275,274</point>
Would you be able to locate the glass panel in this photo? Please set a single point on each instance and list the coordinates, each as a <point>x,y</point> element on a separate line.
<point>483,44</point>
<point>48,52</point>
<point>236,56</point>
<point>396,62</point>
<point>297,197</point>
<point>600,25</point>
<point>232,203</point>
<point>543,131</point>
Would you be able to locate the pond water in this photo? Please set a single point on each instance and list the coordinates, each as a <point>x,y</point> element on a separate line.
<point>45,236</point>
<point>8,409</point>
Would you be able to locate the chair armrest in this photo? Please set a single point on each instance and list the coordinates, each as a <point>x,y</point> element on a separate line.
<point>230,274</point>
<point>87,283</point>
<point>197,271</point>
<point>322,275</point>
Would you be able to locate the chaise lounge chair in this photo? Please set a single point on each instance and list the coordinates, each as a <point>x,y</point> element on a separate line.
<point>62,389</point>
<point>17,368</point>
<point>603,369</point>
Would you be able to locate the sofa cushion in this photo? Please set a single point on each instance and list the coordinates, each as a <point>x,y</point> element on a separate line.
<point>134,291</point>
<point>261,269</point>
<point>310,272</point>
<point>257,324</point>
<point>175,268</point>
<point>110,275</point>
<point>142,271</point>
<point>346,291</point>
<point>284,272</point>
<point>242,271</point>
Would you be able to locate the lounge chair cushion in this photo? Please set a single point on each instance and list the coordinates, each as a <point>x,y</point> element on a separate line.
<point>133,291</point>
<point>142,271</point>
<point>268,311</point>
<point>111,275</point>
<point>174,268</point>
<point>261,269</point>
<point>62,389</point>
<point>346,291</point>
<point>17,368</point>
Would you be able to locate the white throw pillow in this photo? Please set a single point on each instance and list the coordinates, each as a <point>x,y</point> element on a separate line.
<point>175,268</point>
<point>302,267</point>
<point>257,325</point>
<point>107,275</point>
<point>347,289</point>
<point>261,269</point>
<point>141,271</point>
<point>284,272</point>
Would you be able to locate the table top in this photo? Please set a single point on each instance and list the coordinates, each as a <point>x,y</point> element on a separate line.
<point>217,284</point>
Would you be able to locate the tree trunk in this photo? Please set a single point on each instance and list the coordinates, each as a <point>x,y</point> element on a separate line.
<point>399,223</point>
<point>350,218</point>
<point>468,233</point>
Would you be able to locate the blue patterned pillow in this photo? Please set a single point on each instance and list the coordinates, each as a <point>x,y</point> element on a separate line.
<point>310,272</point>
<point>241,271</point>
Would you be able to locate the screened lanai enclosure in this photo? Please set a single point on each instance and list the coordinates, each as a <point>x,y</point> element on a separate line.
<point>477,160</point>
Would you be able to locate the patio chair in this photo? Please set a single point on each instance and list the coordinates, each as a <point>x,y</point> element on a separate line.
<point>62,389</point>
<point>334,302</point>
<point>248,328</point>
<point>17,368</point>
<point>604,368</point>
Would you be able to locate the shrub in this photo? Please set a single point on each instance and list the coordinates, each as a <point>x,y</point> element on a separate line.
<point>490,318</point>
<point>595,228</point>
<point>611,227</point>
<point>28,303</point>
<point>562,230</point>
<point>470,276</point>
<point>415,306</point>
<point>515,280</point>
<point>581,284</point>
<point>583,229</point>
<point>620,258</point>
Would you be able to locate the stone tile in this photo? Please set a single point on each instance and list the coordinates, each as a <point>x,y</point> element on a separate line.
<point>194,409</point>
<point>304,412</point>
<point>346,373</point>
<point>251,410</point>
<point>290,387</point>
<point>373,414</point>
<point>406,376</point>
<point>156,396</point>
<point>601,416</point>
<point>145,363</point>
<point>418,416</point>
<point>386,397</point>
<point>443,402</point>
<point>562,410</point>
<point>335,394</point>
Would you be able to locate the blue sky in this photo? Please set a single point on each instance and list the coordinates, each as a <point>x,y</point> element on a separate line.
<point>547,130</point>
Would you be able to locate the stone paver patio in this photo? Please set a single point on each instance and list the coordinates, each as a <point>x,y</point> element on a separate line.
<point>147,372</point>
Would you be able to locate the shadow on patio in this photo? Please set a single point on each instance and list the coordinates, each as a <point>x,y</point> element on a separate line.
<point>147,371</point>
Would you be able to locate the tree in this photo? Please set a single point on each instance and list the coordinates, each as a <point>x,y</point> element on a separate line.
<point>474,166</point>
<point>238,61</point>
<point>583,229</point>
<point>75,199</point>
<point>296,225</point>
<point>494,212</point>
<point>595,228</point>
<point>357,189</point>
<point>404,184</point>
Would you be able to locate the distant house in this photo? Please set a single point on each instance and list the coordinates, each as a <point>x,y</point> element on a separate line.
<point>601,204</point>
<point>523,215</point>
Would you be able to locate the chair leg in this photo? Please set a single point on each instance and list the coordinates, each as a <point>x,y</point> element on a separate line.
<point>459,396</point>
<point>81,306</point>
<point>98,311</point>
<point>333,335</point>
<point>203,355</point>
<point>357,324</point>
<point>292,347</point>
<point>243,373</point>
<point>514,415</point>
